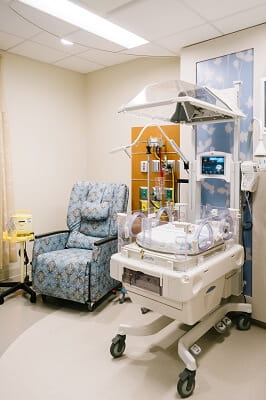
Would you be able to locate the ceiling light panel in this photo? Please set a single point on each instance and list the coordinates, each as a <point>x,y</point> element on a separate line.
<point>84,19</point>
<point>102,7</point>
<point>44,21</point>
<point>89,40</point>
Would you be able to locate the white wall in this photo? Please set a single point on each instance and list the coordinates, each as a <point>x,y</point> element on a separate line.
<point>107,90</point>
<point>46,108</point>
<point>242,40</point>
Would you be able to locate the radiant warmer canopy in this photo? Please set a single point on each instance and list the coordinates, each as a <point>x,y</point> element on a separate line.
<point>177,101</point>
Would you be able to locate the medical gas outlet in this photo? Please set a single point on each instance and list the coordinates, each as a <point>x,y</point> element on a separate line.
<point>144,166</point>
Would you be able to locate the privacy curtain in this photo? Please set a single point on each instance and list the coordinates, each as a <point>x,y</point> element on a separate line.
<point>7,250</point>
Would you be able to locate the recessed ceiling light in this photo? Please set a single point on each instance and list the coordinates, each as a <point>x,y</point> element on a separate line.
<point>66,42</point>
<point>84,19</point>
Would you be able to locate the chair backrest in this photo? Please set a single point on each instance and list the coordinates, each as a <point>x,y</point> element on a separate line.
<point>92,211</point>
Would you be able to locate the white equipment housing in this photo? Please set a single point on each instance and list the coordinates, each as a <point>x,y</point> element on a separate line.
<point>154,281</point>
<point>179,269</point>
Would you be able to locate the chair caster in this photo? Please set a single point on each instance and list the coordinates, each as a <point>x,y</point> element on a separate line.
<point>118,346</point>
<point>90,306</point>
<point>243,322</point>
<point>2,300</point>
<point>186,383</point>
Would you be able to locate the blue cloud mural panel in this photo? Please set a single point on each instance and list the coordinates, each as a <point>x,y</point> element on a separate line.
<point>221,73</point>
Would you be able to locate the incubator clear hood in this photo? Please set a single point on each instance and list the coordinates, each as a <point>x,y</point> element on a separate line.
<point>176,101</point>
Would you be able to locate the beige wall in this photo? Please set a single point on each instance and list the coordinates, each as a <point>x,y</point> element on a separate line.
<point>246,39</point>
<point>46,113</point>
<point>107,90</point>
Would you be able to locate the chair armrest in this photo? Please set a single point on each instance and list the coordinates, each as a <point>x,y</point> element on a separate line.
<point>49,242</point>
<point>105,240</point>
<point>50,234</point>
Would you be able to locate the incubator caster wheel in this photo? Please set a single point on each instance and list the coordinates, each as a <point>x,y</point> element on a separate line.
<point>118,346</point>
<point>220,327</point>
<point>186,383</point>
<point>243,322</point>
<point>2,300</point>
<point>33,298</point>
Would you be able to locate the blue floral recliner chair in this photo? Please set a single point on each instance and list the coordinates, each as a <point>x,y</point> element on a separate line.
<point>74,264</point>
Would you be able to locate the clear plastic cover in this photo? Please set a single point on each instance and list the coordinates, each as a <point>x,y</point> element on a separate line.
<point>166,231</point>
<point>177,101</point>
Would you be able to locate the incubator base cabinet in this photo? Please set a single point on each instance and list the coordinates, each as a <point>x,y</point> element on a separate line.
<point>184,272</point>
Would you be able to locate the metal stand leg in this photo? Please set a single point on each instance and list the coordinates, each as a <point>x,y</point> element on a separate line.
<point>145,330</point>
<point>23,284</point>
<point>202,327</point>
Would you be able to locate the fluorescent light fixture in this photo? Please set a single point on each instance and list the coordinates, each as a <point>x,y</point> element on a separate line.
<point>66,42</point>
<point>84,19</point>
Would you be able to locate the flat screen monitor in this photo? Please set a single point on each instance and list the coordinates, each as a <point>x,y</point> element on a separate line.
<point>212,165</point>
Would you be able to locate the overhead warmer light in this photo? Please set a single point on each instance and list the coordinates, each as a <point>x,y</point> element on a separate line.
<point>177,101</point>
<point>84,19</point>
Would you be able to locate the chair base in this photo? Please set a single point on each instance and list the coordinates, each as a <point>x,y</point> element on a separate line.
<point>15,286</point>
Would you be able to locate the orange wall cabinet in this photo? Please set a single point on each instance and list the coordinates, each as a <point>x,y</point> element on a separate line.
<point>149,170</point>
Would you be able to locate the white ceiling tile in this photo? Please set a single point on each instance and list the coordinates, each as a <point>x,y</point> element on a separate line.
<point>7,40</point>
<point>11,23</point>
<point>150,49</point>
<point>242,20</point>
<point>78,64</point>
<point>212,10</point>
<point>106,58</point>
<point>89,40</point>
<point>153,19</point>
<point>45,21</point>
<point>102,7</point>
<point>37,52</point>
<point>188,37</point>
<point>55,43</point>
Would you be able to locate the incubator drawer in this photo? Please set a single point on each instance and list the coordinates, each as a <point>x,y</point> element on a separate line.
<point>142,281</point>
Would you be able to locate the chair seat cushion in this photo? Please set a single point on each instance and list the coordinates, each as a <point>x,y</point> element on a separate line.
<point>63,274</point>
